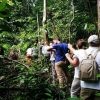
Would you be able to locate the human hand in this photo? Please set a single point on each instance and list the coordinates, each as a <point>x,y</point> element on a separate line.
<point>70,46</point>
<point>67,55</point>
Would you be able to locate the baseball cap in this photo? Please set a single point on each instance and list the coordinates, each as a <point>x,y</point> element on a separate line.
<point>93,38</point>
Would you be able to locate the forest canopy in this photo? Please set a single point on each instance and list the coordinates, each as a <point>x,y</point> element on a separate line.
<point>70,19</point>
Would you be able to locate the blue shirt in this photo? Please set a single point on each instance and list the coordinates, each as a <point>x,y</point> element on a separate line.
<point>61,50</point>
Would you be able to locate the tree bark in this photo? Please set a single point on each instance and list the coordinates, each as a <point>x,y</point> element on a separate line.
<point>39,45</point>
<point>98,8</point>
<point>46,39</point>
<point>44,12</point>
<point>73,10</point>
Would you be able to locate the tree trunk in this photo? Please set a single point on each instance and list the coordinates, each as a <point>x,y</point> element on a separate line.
<point>39,45</point>
<point>98,8</point>
<point>44,13</point>
<point>46,39</point>
<point>73,10</point>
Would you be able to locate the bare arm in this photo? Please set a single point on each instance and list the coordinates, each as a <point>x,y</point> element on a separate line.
<point>71,48</point>
<point>50,48</point>
<point>73,61</point>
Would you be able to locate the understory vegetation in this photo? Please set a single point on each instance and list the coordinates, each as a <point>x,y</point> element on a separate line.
<point>21,27</point>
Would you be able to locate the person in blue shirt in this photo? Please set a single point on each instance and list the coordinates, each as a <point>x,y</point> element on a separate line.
<point>60,61</point>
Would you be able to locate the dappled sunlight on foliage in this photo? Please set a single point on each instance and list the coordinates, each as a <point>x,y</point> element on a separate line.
<point>20,29</point>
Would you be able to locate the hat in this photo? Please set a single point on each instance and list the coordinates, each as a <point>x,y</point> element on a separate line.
<point>93,38</point>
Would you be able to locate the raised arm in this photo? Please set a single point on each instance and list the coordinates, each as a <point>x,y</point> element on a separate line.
<point>50,48</point>
<point>74,61</point>
<point>71,48</point>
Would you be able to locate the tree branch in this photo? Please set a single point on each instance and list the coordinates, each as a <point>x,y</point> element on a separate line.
<point>2,57</point>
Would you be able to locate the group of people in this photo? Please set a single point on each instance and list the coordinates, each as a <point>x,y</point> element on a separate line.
<point>65,52</point>
<point>87,89</point>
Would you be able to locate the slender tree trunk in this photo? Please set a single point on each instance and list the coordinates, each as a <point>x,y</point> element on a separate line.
<point>73,9</point>
<point>39,51</point>
<point>98,8</point>
<point>44,13</point>
<point>44,23</point>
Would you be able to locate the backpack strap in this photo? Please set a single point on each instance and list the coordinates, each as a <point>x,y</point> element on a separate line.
<point>90,54</point>
<point>87,55</point>
<point>96,53</point>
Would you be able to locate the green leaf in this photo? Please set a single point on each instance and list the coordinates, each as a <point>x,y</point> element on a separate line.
<point>74,98</point>
<point>98,75</point>
<point>48,94</point>
<point>97,94</point>
<point>6,46</point>
<point>2,6</point>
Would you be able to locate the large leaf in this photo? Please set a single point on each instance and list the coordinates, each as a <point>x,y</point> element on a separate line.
<point>2,6</point>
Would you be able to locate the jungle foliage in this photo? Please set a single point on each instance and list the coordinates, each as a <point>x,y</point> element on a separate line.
<point>68,19</point>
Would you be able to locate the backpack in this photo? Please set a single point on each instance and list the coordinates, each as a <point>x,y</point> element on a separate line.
<point>89,69</point>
